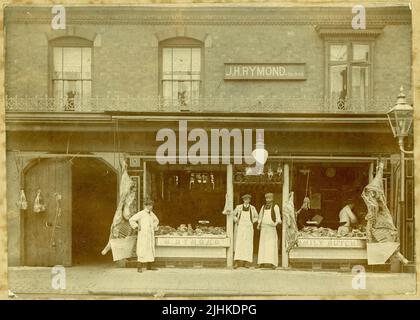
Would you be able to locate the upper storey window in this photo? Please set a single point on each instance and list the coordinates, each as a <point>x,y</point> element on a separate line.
<point>349,74</point>
<point>71,72</point>
<point>181,72</point>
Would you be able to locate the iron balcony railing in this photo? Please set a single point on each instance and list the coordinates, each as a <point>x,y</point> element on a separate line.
<point>290,104</point>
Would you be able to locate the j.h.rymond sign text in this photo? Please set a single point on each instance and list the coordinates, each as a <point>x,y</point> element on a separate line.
<point>265,71</point>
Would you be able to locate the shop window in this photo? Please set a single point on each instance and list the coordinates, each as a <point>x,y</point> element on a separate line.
<point>181,69</point>
<point>349,73</point>
<point>71,72</point>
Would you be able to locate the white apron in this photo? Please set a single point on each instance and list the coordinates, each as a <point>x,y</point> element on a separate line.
<point>244,244</point>
<point>147,223</point>
<point>268,247</point>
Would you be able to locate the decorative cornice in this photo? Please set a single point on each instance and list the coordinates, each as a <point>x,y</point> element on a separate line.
<point>209,16</point>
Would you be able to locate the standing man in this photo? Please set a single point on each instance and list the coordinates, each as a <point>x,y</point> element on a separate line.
<point>269,218</point>
<point>146,222</point>
<point>244,216</point>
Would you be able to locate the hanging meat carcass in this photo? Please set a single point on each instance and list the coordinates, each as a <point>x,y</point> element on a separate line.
<point>380,226</point>
<point>126,182</point>
<point>382,235</point>
<point>122,236</point>
<point>130,203</point>
<point>291,226</point>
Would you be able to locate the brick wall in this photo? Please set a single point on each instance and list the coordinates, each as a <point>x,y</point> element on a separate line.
<point>125,60</point>
<point>392,64</point>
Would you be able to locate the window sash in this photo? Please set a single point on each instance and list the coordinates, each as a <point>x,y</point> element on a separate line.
<point>80,69</point>
<point>354,45</point>
<point>349,95</point>
<point>181,75</point>
<point>71,76</point>
<point>359,89</point>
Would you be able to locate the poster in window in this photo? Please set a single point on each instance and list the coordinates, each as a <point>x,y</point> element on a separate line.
<point>136,180</point>
<point>316,201</point>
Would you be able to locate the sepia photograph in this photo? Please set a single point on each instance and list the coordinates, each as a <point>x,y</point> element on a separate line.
<point>193,150</point>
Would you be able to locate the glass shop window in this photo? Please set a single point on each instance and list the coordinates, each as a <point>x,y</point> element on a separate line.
<point>181,76</point>
<point>71,74</point>
<point>349,76</point>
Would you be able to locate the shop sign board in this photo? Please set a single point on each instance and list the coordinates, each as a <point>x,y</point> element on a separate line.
<point>331,243</point>
<point>183,241</point>
<point>265,71</point>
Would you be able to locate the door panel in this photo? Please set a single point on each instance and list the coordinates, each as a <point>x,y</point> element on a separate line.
<point>44,244</point>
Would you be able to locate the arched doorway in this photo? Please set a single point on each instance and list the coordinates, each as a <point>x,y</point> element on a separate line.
<point>94,201</point>
<point>74,229</point>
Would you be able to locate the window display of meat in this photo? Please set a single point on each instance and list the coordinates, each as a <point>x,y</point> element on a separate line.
<point>163,230</point>
<point>184,230</point>
<point>330,233</point>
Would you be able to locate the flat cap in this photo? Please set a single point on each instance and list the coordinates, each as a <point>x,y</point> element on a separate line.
<point>148,202</point>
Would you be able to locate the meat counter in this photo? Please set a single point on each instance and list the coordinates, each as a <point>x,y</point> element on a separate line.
<point>206,246</point>
<point>326,245</point>
<point>185,242</point>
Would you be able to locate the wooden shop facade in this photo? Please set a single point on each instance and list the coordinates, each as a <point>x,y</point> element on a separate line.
<point>190,198</point>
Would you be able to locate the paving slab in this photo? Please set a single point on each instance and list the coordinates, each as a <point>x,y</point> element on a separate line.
<point>174,282</point>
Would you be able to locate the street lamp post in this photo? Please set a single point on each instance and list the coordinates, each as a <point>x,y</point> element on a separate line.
<point>400,118</point>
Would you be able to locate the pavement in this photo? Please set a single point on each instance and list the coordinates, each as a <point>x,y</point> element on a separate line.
<point>108,281</point>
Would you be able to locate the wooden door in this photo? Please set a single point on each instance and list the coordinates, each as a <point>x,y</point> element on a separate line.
<point>403,215</point>
<point>409,230</point>
<point>47,235</point>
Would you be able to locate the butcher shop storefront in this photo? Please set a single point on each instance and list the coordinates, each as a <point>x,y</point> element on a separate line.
<point>315,171</point>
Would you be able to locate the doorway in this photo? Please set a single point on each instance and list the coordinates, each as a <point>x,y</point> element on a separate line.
<point>257,192</point>
<point>94,201</point>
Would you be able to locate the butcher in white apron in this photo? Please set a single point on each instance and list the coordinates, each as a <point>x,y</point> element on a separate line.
<point>268,219</point>
<point>146,222</point>
<point>347,218</point>
<point>244,216</point>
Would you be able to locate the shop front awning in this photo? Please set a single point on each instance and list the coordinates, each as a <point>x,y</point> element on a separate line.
<point>285,134</point>
<point>153,121</point>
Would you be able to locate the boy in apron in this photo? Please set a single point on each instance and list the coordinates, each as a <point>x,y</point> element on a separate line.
<point>146,222</point>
